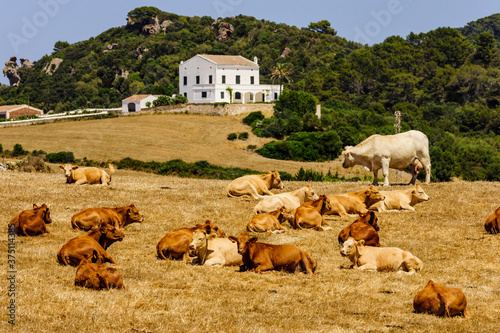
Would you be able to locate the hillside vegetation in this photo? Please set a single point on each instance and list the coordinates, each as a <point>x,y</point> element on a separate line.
<point>446,82</point>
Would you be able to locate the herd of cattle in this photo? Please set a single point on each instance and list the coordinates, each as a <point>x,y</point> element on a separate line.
<point>206,244</point>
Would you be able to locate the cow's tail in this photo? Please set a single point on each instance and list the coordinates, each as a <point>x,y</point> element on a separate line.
<point>228,192</point>
<point>62,258</point>
<point>159,250</point>
<point>73,223</point>
<point>111,170</point>
<point>307,262</point>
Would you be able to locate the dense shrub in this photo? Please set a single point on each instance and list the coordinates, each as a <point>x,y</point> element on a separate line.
<point>60,157</point>
<point>243,136</point>
<point>232,136</point>
<point>18,150</point>
<point>252,117</point>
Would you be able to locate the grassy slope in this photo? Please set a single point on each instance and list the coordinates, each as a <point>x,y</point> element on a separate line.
<point>446,233</point>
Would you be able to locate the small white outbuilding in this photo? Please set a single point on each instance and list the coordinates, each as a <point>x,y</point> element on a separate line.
<point>135,103</point>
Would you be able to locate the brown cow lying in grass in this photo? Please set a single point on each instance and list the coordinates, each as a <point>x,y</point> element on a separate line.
<point>310,214</point>
<point>32,222</point>
<point>213,251</point>
<point>364,228</point>
<point>119,217</point>
<point>289,200</point>
<point>89,175</point>
<point>269,221</point>
<point>492,223</point>
<point>98,239</point>
<point>440,301</point>
<point>379,258</point>
<point>355,202</point>
<point>175,244</point>
<point>255,185</point>
<point>260,257</point>
<point>93,274</point>
<point>400,199</point>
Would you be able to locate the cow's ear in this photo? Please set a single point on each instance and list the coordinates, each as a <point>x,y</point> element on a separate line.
<point>361,242</point>
<point>103,281</point>
<point>95,256</point>
<point>252,240</point>
<point>413,191</point>
<point>131,205</point>
<point>74,167</point>
<point>232,239</point>
<point>61,167</point>
<point>211,236</point>
<point>35,206</point>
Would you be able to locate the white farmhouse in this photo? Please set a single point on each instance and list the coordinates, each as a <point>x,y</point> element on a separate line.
<point>135,103</point>
<point>213,78</point>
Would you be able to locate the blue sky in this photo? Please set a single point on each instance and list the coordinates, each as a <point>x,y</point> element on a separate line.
<point>29,28</point>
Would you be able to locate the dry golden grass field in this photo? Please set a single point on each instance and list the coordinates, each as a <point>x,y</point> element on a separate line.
<point>446,233</point>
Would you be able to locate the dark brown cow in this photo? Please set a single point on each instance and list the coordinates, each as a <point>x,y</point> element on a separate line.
<point>119,217</point>
<point>440,301</point>
<point>260,257</point>
<point>310,214</point>
<point>175,244</point>
<point>98,239</point>
<point>32,222</point>
<point>492,224</point>
<point>95,275</point>
<point>365,227</point>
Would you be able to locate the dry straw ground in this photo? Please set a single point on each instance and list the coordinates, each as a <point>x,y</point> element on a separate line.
<point>446,233</point>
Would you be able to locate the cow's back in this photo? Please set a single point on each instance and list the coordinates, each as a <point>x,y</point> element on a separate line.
<point>225,249</point>
<point>92,175</point>
<point>401,148</point>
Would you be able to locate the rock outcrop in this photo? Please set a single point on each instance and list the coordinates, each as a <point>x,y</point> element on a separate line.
<point>52,66</point>
<point>224,30</point>
<point>25,63</point>
<point>11,71</point>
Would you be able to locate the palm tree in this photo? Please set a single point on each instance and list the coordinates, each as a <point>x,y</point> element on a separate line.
<point>281,71</point>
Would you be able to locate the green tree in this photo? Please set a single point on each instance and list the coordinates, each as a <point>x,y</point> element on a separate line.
<point>322,27</point>
<point>281,72</point>
<point>58,46</point>
<point>486,48</point>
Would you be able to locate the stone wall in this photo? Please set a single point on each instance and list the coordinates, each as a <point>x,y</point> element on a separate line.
<point>214,109</point>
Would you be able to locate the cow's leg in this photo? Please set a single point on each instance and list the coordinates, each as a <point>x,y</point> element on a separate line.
<point>80,181</point>
<point>375,177</point>
<point>368,267</point>
<point>254,193</point>
<point>385,170</point>
<point>407,206</point>
<point>219,262</point>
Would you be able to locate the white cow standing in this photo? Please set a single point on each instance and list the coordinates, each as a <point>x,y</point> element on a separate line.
<point>390,151</point>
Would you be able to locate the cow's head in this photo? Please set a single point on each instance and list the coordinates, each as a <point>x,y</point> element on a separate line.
<point>276,181</point>
<point>418,194</point>
<point>44,212</point>
<point>327,205</point>
<point>373,196</point>
<point>349,160</point>
<point>200,239</point>
<point>210,228</point>
<point>242,241</point>
<point>310,194</point>
<point>284,215</point>
<point>349,248</point>
<point>369,218</point>
<point>68,169</point>
<point>107,233</point>
<point>133,215</point>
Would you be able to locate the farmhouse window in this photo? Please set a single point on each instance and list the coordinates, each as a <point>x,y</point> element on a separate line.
<point>223,79</point>
<point>221,95</point>
<point>210,79</point>
<point>197,79</point>
<point>252,80</point>
<point>275,95</point>
<point>185,80</point>
<point>237,79</point>
<point>237,95</point>
<point>203,94</point>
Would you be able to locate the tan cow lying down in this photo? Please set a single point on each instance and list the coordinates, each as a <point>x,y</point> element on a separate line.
<point>119,217</point>
<point>492,223</point>
<point>88,175</point>
<point>213,251</point>
<point>364,228</point>
<point>95,275</point>
<point>32,222</point>
<point>400,199</point>
<point>310,214</point>
<point>440,301</point>
<point>98,240</point>
<point>354,202</point>
<point>269,221</point>
<point>175,244</point>
<point>260,257</point>
<point>379,258</point>
<point>289,200</point>
<point>255,185</point>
